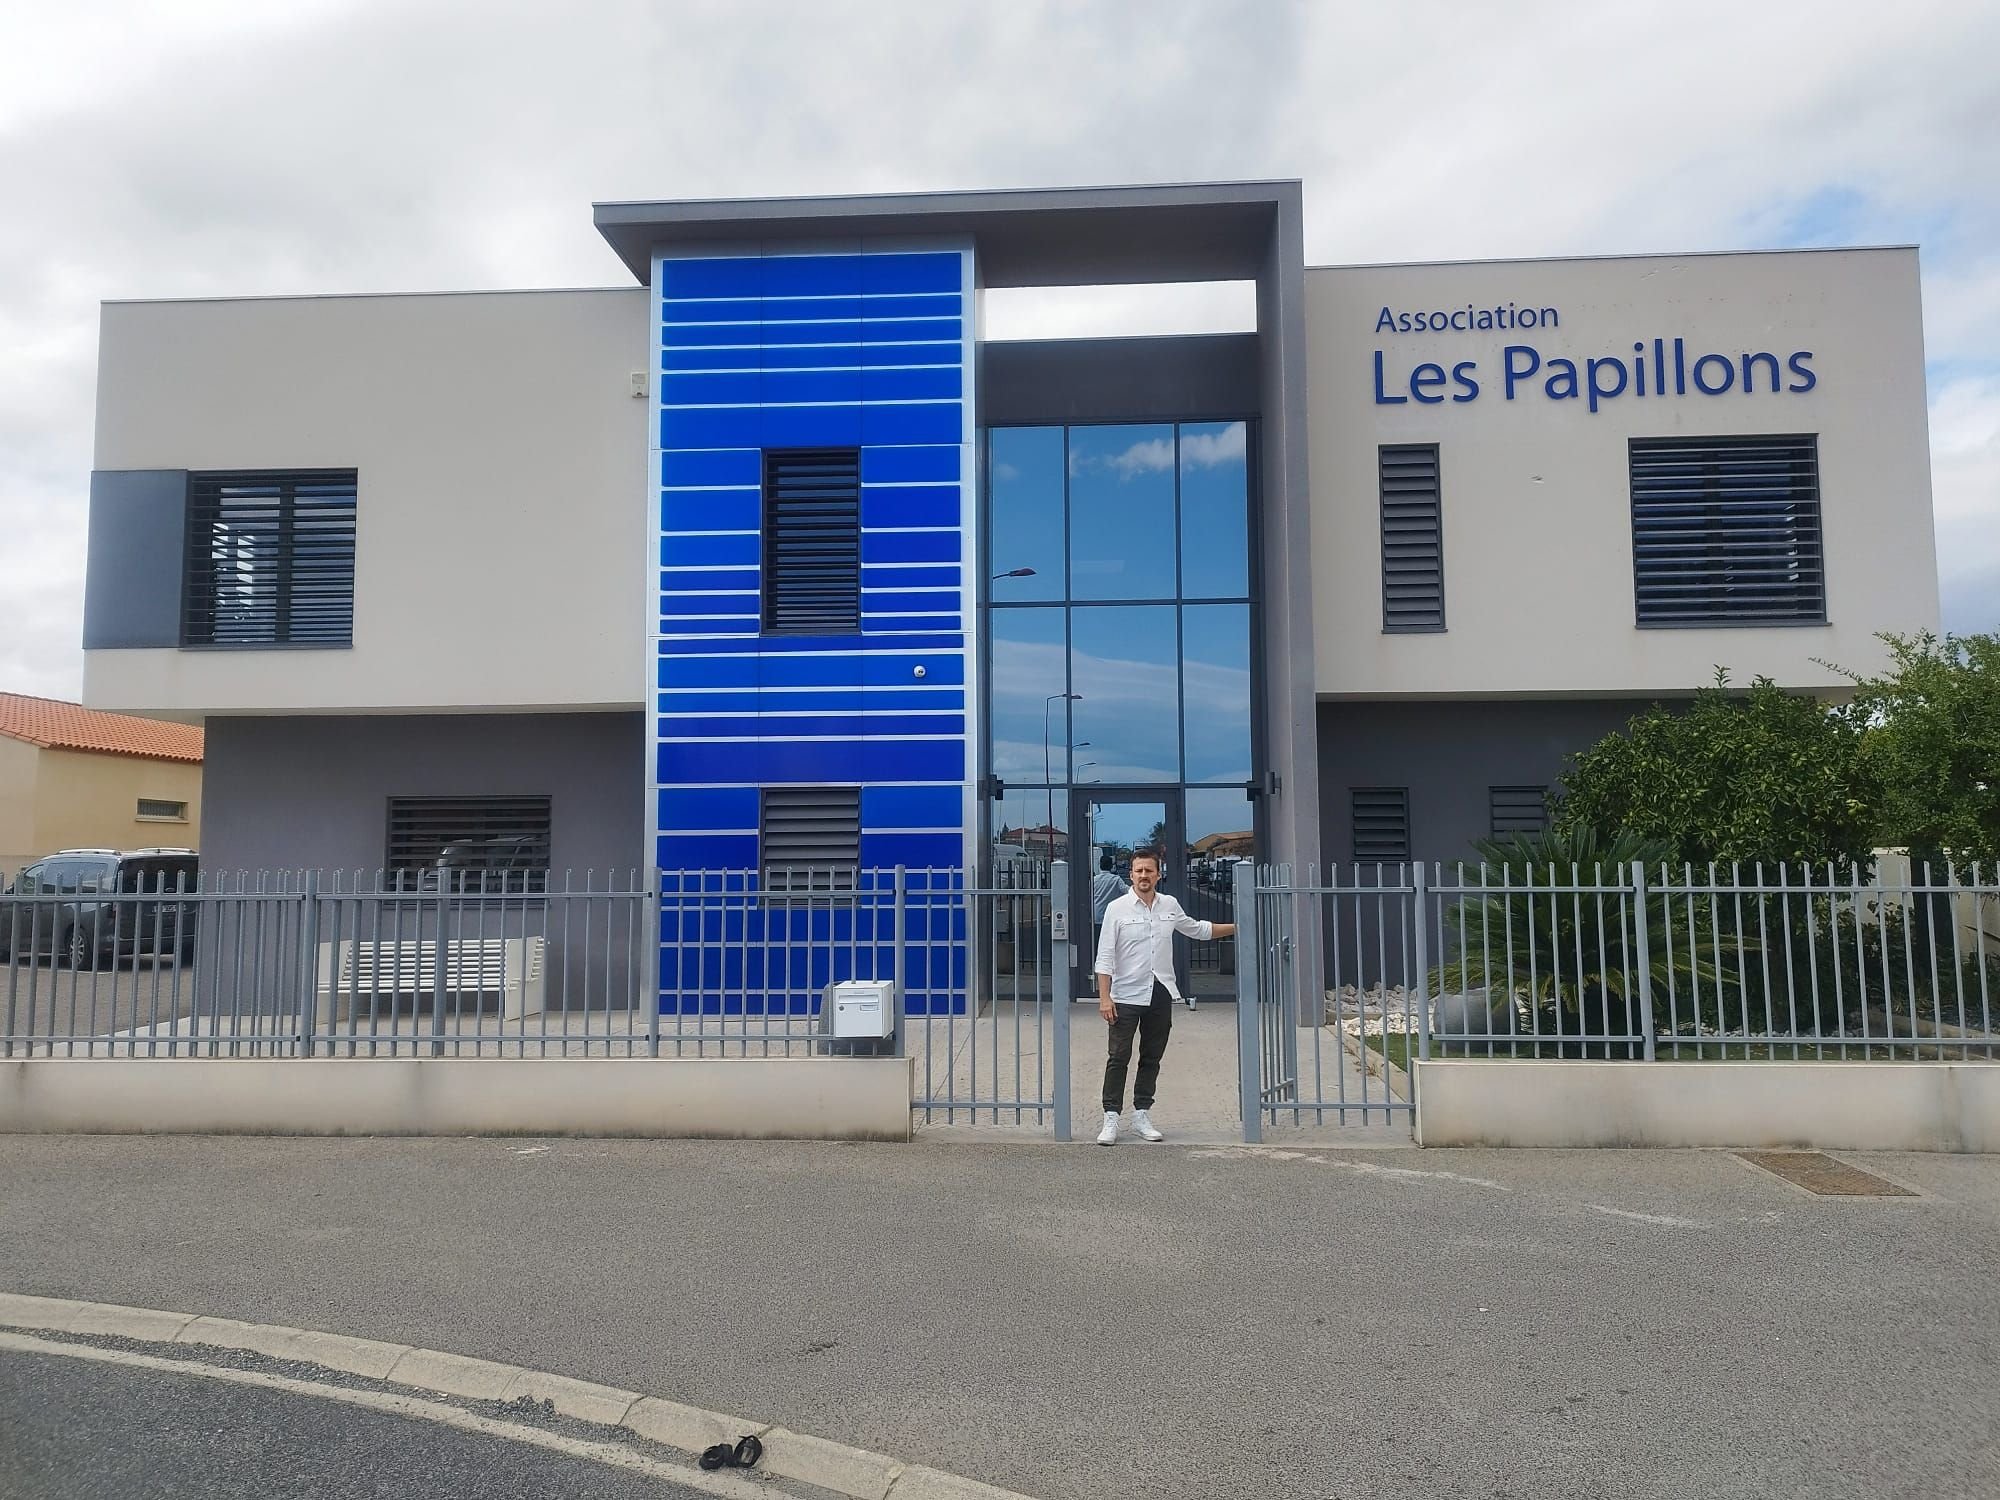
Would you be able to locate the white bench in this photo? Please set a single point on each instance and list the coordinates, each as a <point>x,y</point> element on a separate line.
<point>356,970</point>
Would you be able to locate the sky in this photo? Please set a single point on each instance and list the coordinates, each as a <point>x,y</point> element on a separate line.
<point>186,148</point>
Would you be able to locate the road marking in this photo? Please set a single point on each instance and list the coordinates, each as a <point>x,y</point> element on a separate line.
<point>612,1455</point>
<point>1368,1168</point>
<point>821,1462</point>
<point>1666,1219</point>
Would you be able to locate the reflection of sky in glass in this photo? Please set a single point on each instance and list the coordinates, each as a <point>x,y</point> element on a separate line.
<point>1121,512</point>
<point>1216,810</point>
<point>1025,502</point>
<point>1120,827</point>
<point>1215,548</point>
<point>1122,662</point>
<point>1027,667</point>
<point>1215,664</point>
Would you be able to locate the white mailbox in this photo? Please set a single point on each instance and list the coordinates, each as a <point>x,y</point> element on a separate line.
<point>861,1007</point>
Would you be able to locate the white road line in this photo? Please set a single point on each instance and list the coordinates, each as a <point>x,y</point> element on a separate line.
<point>1667,1219</point>
<point>612,1455</point>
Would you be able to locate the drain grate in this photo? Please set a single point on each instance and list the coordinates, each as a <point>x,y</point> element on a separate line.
<point>1817,1172</point>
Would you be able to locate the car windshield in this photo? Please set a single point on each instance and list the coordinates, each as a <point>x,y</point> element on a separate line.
<point>137,875</point>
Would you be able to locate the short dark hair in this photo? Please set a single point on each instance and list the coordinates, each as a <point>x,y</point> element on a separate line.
<point>1152,854</point>
<point>1104,862</point>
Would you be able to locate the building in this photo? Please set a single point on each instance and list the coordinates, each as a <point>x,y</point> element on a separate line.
<point>75,778</point>
<point>769,562</point>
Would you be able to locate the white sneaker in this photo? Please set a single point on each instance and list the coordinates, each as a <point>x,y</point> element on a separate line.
<point>1108,1136</point>
<point>1143,1127</point>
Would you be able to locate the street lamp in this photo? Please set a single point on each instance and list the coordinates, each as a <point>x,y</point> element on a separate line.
<point>1049,823</point>
<point>1015,573</point>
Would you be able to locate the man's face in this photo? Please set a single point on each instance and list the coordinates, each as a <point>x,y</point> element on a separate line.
<point>1145,875</point>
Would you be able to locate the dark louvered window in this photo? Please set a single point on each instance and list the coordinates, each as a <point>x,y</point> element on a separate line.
<point>270,559</point>
<point>1412,537</point>
<point>1725,531</point>
<point>810,838</point>
<point>1517,809</point>
<point>812,541</point>
<point>1381,822</point>
<point>484,844</point>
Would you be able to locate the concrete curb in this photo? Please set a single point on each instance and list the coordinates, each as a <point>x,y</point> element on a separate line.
<point>831,1466</point>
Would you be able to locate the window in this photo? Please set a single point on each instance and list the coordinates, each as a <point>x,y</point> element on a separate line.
<point>812,541</point>
<point>1726,531</point>
<point>1381,822</point>
<point>809,837</point>
<point>1412,538</point>
<point>1517,809</point>
<point>151,810</point>
<point>481,844</point>
<point>270,559</point>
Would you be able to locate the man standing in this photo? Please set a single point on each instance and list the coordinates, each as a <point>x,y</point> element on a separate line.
<point>1105,888</point>
<point>1136,989</point>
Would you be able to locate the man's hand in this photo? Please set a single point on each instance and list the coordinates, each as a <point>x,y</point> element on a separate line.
<point>1104,1006</point>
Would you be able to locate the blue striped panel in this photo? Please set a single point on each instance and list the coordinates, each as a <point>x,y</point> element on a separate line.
<point>921,849</point>
<point>944,577</point>
<point>810,356</point>
<point>694,336</point>
<point>708,807</point>
<point>716,390</point>
<point>934,464</point>
<point>708,604</point>
<point>708,580</point>
<point>712,551</point>
<point>912,385</point>
<point>913,271</point>
<point>718,310</point>
<point>813,275</point>
<point>740,467</point>
<point>707,851</point>
<point>913,505</point>
<point>724,427</point>
<point>882,602</point>
<point>812,385</point>
<point>909,622</point>
<point>771,722</point>
<point>911,807</point>
<point>720,276</point>
<point>938,422</point>
<point>711,510</point>
<point>819,700</point>
<point>813,426</point>
<point>909,546</point>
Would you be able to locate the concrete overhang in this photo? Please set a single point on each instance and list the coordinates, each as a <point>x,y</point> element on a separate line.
<point>1217,231</point>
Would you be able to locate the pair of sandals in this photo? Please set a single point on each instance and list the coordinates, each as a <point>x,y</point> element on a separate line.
<point>742,1455</point>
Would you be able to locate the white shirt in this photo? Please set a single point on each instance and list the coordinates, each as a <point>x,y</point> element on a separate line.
<point>1136,945</point>
<point>1105,888</point>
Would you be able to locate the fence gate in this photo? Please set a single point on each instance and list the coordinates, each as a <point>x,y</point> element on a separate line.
<point>1330,995</point>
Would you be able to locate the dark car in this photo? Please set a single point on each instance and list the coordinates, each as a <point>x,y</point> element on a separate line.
<point>93,906</point>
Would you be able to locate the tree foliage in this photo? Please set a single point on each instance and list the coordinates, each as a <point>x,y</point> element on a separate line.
<point>1762,775</point>
<point>1929,734</point>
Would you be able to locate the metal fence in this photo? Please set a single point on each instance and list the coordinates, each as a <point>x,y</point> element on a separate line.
<point>1625,962</point>
<point>704,963</point>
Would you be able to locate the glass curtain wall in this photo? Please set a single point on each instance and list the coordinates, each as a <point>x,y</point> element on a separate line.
<point>1119,624</point>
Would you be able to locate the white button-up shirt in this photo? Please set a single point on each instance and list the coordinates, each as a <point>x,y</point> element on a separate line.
<point>1136,945</point>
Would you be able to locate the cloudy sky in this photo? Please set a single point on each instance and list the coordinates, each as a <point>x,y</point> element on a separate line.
<point>184,148</point>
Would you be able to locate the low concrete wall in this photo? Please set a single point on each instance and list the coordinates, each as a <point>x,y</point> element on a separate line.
<point>805,1098</point>
<point>1829,1106</point>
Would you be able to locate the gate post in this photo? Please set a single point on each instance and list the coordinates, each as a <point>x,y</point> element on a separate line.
<point>896,972</point>
<point>1423,978</point>
<point>309,962</point>
<point>1249,965</point>
<point>1060,999</point>
<point>1644,945</point>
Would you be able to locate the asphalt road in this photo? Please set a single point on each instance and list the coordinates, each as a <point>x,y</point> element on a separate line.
<point>1140,1322</point>
<point>87,1431</point>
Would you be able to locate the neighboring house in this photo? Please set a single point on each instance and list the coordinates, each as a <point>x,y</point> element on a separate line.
<point>768,559</point>
<point>75,778</point>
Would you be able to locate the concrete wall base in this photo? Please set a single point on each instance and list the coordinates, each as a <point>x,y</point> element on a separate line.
<point>845,1098</point>
<point>1826,1106</point>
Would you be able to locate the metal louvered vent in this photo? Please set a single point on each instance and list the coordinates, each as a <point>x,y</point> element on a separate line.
<point>1412,537</point>
<point>1517,809</point>
<point>270,559</point>
<point>1381,822</point>
<point>1726,531</point>
<point>812,541</point>
<point>485,844</point>
<point>810,838</point>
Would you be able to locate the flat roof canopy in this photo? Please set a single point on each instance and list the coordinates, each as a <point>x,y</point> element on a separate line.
<point>1218,231</point>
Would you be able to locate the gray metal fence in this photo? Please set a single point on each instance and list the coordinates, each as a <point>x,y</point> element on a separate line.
<point>1623,962</point>
<point>703,963</point>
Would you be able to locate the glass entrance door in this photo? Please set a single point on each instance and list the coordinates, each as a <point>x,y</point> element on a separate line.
<point>1112,825</point>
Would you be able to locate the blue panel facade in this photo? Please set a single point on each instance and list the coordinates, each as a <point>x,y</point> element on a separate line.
<point>868,348</point>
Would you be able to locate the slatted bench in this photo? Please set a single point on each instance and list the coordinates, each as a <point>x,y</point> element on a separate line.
<point>353,972</point>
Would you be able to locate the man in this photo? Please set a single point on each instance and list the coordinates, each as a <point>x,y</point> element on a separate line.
<point>1105,888</point>
<point>1136,989</point>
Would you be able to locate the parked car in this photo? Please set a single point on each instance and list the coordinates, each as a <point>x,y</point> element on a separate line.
<point>93,906</point>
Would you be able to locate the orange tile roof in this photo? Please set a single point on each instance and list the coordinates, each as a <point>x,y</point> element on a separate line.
<point>55,725</point>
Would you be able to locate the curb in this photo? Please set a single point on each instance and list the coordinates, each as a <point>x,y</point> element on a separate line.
<point>853,1472</point>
